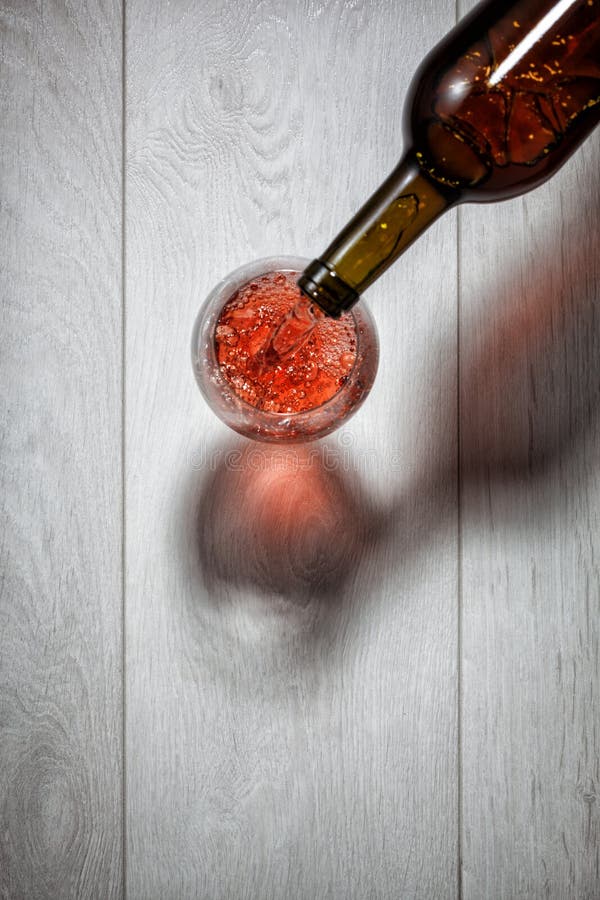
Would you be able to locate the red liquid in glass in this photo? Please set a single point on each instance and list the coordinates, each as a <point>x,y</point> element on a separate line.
<point>277,352</point>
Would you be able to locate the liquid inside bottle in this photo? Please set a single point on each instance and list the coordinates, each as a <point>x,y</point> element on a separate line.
<point>507,96</point>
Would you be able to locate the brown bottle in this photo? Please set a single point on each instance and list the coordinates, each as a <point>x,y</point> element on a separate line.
<point>493,111</point>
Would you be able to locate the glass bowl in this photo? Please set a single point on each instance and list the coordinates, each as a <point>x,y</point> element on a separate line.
<point>260,424</point>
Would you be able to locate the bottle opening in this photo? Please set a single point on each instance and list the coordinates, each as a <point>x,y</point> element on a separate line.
<point>323,286</point>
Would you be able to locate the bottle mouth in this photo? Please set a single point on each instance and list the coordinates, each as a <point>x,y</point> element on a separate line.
<point>323,286</point>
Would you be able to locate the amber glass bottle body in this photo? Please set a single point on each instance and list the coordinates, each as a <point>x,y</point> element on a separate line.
<point>511,92</point>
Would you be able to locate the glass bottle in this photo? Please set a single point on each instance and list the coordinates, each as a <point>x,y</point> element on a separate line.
<point>494,110</point>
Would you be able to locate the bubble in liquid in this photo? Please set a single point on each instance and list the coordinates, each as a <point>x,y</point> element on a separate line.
<point>227,334</point>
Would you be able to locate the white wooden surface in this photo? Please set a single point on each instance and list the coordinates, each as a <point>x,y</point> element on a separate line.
<point>291,646</point>
<point>530,539</point>
<point>60,426</point>
<point>344,673</point>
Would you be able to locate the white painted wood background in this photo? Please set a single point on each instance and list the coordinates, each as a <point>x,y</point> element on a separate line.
<point>231,674</point>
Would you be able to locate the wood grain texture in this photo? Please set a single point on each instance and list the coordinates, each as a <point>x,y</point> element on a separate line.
<point>60,414</point>
<point>291,623</point>
<point>292,616</point>
<point>530,512</point>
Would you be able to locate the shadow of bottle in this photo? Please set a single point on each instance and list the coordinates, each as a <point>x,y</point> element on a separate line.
<point>530,377</point>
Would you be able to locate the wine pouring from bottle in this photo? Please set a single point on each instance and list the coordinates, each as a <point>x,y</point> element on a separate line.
<point>493,111</point>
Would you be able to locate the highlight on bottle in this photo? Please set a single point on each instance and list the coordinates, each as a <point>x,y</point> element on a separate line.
<point>271,365</point>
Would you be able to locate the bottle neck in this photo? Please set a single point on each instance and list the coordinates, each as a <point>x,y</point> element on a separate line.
<point>398,212</point>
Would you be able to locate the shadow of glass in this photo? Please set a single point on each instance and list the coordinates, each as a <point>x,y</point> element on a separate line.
<point>286,522</point>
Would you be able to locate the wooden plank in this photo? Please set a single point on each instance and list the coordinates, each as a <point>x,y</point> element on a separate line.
<point>60,497</point>
<point>291,628</point>
<point>530,511</point>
